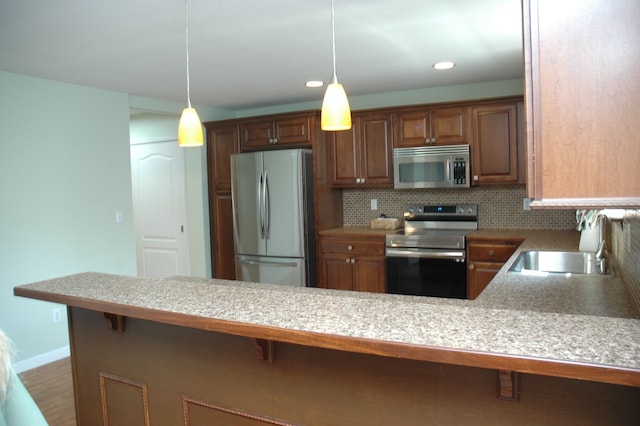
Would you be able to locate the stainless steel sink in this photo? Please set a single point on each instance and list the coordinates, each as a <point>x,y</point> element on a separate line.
<point>558,262</point>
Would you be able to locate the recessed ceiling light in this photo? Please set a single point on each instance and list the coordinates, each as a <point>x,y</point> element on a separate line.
<point>314,83</point>
<point>445,65</point>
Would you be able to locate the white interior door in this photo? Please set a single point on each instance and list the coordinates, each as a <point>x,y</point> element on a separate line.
<point>159,209</point>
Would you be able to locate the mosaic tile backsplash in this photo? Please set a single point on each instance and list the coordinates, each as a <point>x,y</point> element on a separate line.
<point>625,248</point>
<point>499,206</point>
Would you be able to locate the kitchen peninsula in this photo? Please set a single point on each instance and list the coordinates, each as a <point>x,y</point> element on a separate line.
<point>187,350</point>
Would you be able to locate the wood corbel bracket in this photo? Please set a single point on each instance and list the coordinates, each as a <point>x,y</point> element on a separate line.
<point>116,322</point>
<point>265,349</point>
<point>508,385</point>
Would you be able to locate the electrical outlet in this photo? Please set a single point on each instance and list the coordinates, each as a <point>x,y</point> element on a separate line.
<point>374,204</point>
<point>119,216</point>
<point>526,204</point>
<point>57,315</point>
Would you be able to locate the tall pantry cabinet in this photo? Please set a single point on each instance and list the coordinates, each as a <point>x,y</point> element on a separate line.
<point>222,141</point>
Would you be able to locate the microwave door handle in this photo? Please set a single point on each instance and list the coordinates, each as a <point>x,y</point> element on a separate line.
<point>449,171</point>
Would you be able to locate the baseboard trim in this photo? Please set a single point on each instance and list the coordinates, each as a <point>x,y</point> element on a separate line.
<point>42,359</point>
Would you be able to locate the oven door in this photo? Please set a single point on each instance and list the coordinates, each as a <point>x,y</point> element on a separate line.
<point>424,272</point>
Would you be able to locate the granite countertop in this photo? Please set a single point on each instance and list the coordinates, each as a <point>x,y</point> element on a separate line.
<point>441,330</point>
<point>551,326</point>
<point>594,295</point>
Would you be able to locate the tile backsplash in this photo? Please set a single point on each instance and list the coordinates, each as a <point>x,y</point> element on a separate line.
<point>625,248</point>
<point>499,206</point>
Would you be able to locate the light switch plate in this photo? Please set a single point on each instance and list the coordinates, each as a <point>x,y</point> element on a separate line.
<point>374,204</point>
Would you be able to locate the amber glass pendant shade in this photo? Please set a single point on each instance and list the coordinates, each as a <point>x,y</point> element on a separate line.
<point>190,129</point>
<point>336,114</point>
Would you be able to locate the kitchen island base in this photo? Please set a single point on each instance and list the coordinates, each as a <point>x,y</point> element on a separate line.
<point>141,372</point>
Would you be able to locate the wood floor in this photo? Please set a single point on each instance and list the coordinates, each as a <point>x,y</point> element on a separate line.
<point>51,386</point>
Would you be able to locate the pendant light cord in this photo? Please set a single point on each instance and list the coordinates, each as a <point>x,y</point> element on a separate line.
<point>333,44</point>
<point>186,31</point>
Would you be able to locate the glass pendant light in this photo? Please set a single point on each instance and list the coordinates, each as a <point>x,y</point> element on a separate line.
<point>190,127</point>
<point>336,114</point>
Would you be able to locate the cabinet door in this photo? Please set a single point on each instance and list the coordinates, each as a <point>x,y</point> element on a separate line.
<point>257,135</point>
<point>495,144</point>
<point>223,141</point>
<point>376,149</point>
<point>412,129</point>
<point>449,126</point>
<point>222,238</point>
<point>479,276</point>
<point>491,251</point>
<point>582,112</point>
<point>345,157</point>
<point>370,274</point>
<point>336,272</point>
<point>293,131</point>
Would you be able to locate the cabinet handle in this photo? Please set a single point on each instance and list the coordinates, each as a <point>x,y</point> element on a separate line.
<point>433,140</point>
<point>361,180</point>
<point>347,260</point>
<point>471,266</point>
<point>475,177</point>
<point>349,247</point>
<point>491,253</point>
<point>353,260</point>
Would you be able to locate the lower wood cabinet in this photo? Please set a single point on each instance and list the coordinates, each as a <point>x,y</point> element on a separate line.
<point>485,257</point>
<point>353,262</point>
<point>223,256</point>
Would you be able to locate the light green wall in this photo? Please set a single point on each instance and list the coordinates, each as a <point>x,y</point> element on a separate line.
<point>491,89</point>
<point>64,172</point>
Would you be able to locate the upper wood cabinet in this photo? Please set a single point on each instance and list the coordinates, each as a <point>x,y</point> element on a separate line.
<point>362,156</point>
<point>294,131</point>
<point>419,127</point>
<point>222,141</point>
<point>495,148</point>
<point>582,96</point>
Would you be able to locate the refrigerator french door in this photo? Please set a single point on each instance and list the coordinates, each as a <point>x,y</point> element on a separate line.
<point>273,224</point>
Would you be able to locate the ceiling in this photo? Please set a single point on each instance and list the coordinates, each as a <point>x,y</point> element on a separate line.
<point>254,53</point>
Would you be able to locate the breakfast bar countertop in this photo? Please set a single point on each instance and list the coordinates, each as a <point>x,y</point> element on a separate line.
<point>517,323</point>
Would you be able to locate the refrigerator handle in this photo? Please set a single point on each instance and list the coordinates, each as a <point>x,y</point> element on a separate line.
<point>267,206</point>
<point>261,203</point>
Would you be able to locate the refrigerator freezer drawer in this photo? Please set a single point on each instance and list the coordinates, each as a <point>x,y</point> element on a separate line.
<point>276,270</point>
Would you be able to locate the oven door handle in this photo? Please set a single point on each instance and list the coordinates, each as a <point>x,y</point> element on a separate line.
<point>425,253</point>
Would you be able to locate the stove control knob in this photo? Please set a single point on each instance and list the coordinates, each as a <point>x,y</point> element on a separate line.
<point>470,210</point>
<point>461,210</point>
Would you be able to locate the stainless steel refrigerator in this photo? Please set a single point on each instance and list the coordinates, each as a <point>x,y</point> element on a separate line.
<point>273,220</point>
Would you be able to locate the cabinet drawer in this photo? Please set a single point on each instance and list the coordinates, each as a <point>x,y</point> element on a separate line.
<point>490,252</point>
<point>351,247</point>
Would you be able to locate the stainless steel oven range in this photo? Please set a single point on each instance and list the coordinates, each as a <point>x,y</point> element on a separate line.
<point>427,257</point>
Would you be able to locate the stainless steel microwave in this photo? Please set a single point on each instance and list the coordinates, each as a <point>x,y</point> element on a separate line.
<point>443,166</point>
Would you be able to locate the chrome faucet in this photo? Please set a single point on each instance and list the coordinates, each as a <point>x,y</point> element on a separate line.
<point>601,251</point>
